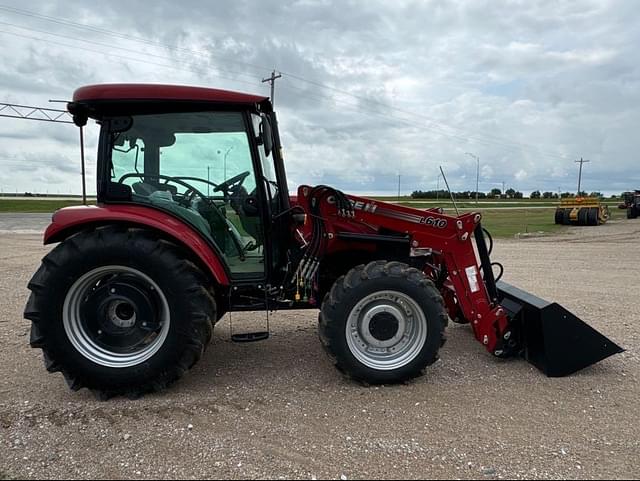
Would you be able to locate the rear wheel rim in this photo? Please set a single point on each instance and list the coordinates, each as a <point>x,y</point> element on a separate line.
<point>116,316</point>
<point>386,330</point>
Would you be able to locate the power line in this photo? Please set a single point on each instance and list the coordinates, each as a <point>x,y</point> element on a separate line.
<point>496,141</point>
<point>513,146</point>
<point>478,141</point>
<point>124,36</point>
<point>433,121</point>
<point>412,124</point>
<point>110,46</point>
<point>122,57</point>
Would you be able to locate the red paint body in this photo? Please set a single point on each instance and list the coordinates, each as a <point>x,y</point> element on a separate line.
<point>73,219</point>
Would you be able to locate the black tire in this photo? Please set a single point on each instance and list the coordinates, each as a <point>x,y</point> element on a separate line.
<point>632,213</point>
<point>583,217</point>
<point>559,216</point>
<point>379,277</point>
<point>594,216</point>
<point>566,217</point>
<point>191,309</point>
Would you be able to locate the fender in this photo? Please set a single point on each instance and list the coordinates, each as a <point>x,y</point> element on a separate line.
<point>70,220</point>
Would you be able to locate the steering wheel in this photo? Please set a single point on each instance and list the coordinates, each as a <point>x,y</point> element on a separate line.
<point>188,196</point>
<point>185,199</point>
<point>225,187</point>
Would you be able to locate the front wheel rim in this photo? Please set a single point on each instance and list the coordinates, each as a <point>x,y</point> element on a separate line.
<point>116,317</point>
<point>386,330</point>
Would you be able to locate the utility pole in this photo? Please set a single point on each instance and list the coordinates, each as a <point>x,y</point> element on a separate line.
<point>477,173</point>
<point>581,162</point>
<point>398,187</point>
<point>208,181</point>
<point>272,80</point>
<point>503,186</point>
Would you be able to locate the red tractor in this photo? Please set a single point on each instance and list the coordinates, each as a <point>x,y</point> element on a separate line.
<point>194,220</point>
<point>631,204</point>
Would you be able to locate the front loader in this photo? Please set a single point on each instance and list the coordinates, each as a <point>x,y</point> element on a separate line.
<point>194,220</point>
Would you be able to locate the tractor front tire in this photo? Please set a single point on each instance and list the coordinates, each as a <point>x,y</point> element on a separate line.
<point>383,323</point>
<point>119,311</point>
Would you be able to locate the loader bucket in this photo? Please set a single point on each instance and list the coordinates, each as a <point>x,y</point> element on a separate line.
<point>552,338</point>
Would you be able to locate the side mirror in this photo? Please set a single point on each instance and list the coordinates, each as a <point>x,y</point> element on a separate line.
<point>267,135</point>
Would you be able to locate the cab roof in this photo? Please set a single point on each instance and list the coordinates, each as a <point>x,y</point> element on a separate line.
<point>156,92</point>
<point>99,101</point>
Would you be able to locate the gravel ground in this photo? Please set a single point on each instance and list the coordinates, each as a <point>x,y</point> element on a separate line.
<point>14,223</point>
<point>278,409</point>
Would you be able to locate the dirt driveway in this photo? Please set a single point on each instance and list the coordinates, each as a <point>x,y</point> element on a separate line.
<point>278,409</point>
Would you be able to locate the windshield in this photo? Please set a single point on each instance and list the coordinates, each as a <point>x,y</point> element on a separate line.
<point>200,167</point>
<point>210,147</point>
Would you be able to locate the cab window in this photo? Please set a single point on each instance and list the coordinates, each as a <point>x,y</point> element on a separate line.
<point>198,166</point>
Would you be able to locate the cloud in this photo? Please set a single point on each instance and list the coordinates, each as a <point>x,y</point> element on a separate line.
<point>370,90</point>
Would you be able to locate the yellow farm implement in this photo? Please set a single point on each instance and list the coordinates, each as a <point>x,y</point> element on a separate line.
<point>585,211</point>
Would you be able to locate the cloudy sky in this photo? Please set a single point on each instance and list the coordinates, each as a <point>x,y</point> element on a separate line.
<point>370,90</point>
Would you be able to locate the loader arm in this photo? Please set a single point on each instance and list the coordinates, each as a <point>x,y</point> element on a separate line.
<point>505,320</point>
<point>446,238</point>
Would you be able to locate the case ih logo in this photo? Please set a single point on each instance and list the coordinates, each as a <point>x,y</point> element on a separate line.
<point>365,206</point>
<point>434,222</point>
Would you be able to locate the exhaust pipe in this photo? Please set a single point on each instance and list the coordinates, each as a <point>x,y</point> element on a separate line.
<point>550,337</point>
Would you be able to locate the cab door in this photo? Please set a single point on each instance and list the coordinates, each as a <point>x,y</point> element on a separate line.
<point>204,168</point>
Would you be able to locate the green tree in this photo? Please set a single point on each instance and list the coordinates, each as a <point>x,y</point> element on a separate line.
<point>535,194</point>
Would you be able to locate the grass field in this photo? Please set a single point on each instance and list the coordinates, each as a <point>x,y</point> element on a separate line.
<point>502,218</point>
<point>509,222</point>
<point>492,203</point>
<point>35,206</point>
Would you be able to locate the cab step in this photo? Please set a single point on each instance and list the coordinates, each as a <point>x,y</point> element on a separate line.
<point>250,337</point>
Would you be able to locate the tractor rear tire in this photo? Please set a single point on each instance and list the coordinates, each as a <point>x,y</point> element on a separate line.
<point>383,323</point>
<point>632,213</point>
<point>119,311</point>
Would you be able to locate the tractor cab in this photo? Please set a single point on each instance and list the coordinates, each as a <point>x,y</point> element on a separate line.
<point>205,156</point>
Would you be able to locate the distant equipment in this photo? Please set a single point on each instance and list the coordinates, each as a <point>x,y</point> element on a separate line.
<point>582,211</point>
<point>632,204</point>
